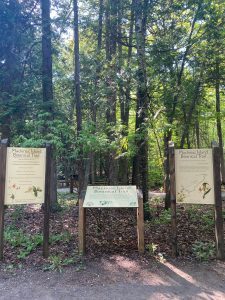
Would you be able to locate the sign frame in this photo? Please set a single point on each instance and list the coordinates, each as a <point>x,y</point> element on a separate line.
<point>82,226</point>
<point>3,161</point>
<point>219,236</point>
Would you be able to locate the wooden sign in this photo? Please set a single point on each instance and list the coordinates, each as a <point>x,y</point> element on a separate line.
<point>25,175</point>
<point>194,176</point>
<point>111,196</point>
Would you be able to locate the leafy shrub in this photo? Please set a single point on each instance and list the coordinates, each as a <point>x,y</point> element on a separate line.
<point>204,251</point>
<point>18,239</point>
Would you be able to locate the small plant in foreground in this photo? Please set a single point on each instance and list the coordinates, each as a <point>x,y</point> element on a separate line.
<point>151,248</point>
<point>204,250</point>
<point>24,242</point>
<point>57,262</point>
<point>164,218</point>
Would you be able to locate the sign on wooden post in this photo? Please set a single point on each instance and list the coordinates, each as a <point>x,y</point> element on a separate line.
<point>25,175</point>
<point>25,179</point>
<point>195,178</point>
<point>111,196</point>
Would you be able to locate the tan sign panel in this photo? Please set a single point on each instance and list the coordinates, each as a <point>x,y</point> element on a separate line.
<point>25,175</point>
<point>111,196</point>
<point>194,176</point>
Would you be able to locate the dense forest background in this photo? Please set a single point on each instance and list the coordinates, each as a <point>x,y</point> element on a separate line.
<point>109,83</point>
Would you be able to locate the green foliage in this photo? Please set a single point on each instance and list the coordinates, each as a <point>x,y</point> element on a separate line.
<point>152,248</point>
<point>204,251</point>
<point>147,211</point>
<point>64,237</point>
<point>24,242</point>
<point>67,200</point>
<point>164,218</point>
<point>57,262</point>
<point>206,218</point>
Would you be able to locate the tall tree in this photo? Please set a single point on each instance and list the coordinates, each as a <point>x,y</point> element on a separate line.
<point>141,159</point>
<point>111,48</point>
<point>83,165</point>
<point>47,87</point>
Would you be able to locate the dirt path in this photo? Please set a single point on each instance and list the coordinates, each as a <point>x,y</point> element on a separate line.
<point>118,277</point>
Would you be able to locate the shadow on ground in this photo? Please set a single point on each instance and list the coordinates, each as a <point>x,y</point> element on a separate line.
<point>118,277</point>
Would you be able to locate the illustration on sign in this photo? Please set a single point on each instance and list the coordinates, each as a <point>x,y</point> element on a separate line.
<point>25,175</point>
<point>194,176</point>
<point>111,196</point>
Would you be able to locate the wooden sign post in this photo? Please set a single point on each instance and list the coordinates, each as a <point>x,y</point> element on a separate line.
<point>47,201</point>
<point>3,154</point>
<point>220,254</point>
<point>195,178</point>
<point>25,175</point>
<point>173,198</point>
<point>110,196</point>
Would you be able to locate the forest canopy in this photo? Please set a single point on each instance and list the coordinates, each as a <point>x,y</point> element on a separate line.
<point>109,83</point>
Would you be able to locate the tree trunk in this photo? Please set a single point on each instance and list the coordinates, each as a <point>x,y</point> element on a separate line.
<point>171,112</point>
<point>97,76</point>
<point>218,121</point>
<point>141,11</point>
<point>188,120</point>
<point>124,92</point>
<point>111,38</point>
<point>47,88</point>
<point>83,166</point>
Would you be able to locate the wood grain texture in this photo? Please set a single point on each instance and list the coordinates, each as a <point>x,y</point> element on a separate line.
<point>140,226</point>
<point>82,228</point>
<point>3,156</point>
<point>173,199</point>
<point>47,201</point>
<point>219,234</point>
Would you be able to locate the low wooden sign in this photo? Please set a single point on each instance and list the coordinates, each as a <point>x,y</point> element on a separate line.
<point>25,179</point>
<point>111,196</point>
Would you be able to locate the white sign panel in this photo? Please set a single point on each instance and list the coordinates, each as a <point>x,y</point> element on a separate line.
<point>194,176</point>
<point>25,175</point>
<point>111,196</point>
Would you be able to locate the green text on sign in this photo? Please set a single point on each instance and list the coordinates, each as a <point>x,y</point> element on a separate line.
<point>111,196</point>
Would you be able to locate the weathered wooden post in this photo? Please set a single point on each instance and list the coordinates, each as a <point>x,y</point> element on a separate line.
<point>173,198</point>
<point>218,203</point>
<point>82,227</point>
<point>47,201</point>
<point>3,156</point>
<point>140,225</point>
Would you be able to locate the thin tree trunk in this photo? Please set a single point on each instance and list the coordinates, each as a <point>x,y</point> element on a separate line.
<point>188,120</point>
<point>83,167</point>
<point>97,76</point>
<point>197,132</point>
<point>124,89</point>
<point>47,88</point>
<point>141,10</point>
<point>218,121</point>
<point>111,42</point>
<point>171,113</point>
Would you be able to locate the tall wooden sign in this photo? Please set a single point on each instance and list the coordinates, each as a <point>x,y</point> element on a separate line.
<point>25,179</point>
<point>195,178</point>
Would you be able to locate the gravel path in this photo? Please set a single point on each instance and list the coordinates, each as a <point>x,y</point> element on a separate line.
<point>118,277</point>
